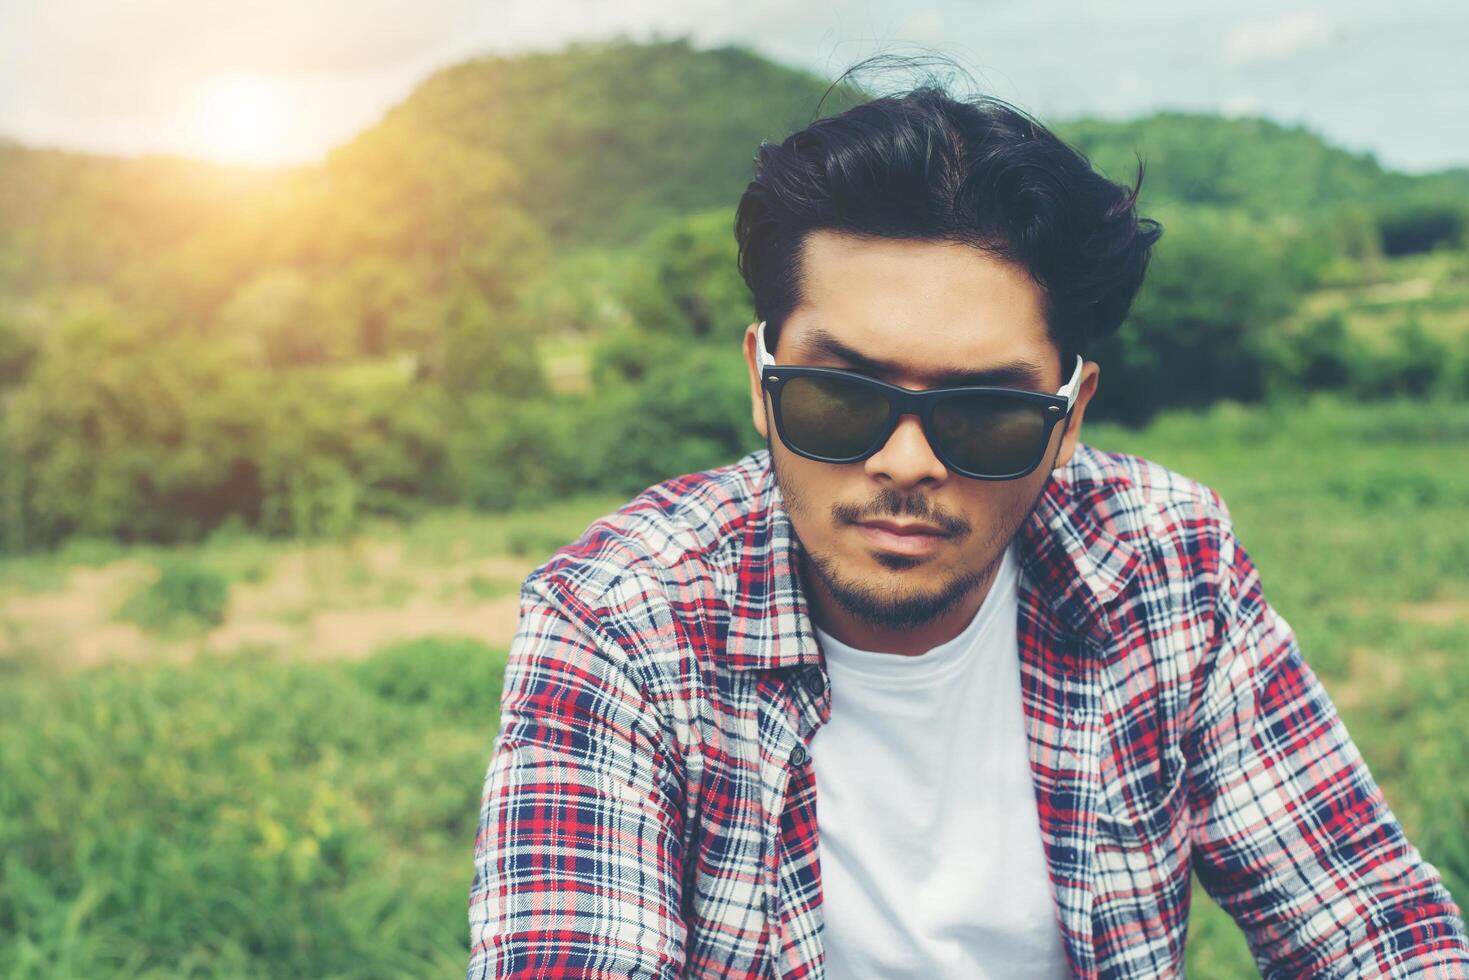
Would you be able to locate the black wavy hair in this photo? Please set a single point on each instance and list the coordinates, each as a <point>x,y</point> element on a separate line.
<point>924,165</point>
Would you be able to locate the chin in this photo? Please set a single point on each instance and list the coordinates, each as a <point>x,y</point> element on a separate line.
<point>896,563</point>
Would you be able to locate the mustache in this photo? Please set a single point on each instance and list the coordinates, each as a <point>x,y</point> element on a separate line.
<point>890,503</point>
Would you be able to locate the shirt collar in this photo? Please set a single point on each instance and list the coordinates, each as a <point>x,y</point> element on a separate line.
<point>1070,554</point>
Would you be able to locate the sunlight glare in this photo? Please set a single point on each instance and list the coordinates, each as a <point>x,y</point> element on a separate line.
<point>243,119</point>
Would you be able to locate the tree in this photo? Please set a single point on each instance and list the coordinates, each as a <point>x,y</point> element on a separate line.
<point>1214,288</point>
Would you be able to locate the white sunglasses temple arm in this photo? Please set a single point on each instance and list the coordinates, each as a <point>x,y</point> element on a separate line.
<point>1069,389</point>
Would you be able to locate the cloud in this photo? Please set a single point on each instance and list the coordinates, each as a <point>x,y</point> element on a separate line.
<point>125,76</point>
<point>276,36</point>
<point>1242,104</point>
<point>1265,41</point>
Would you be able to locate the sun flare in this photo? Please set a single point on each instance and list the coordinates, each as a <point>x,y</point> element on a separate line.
<point>243,119</point>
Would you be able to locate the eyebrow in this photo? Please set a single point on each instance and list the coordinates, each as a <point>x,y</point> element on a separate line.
<point>819,344</point>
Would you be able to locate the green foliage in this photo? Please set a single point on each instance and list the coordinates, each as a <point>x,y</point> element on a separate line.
<point>457,679</point>
<point>1253,165</point>
<point>689,410</point>
<point>184,346</point>
<point>253,817</point>
<point>343,444</point>
<point>618,137</point>
<point>1419,226</point>
<point>514,453</point>
<point>1413,366</point>
<point>18,349</point>
<point>687,281</point>
<point>126,433</point>
<point>531,539</point>
<point>235,818</point>
<point>184,595</point>
<point>1197,331</point>
<point>121,432</point>
<point>1323,355</point>
<point>480,351</point>
<point>76,219</point>
<point>685,409</point>
<point>270,314</point>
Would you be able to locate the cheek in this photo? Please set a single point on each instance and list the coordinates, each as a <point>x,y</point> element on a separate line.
<point>994,511</point>
<point>801,486</point>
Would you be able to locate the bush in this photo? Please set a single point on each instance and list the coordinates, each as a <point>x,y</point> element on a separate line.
<point>457,677</point>
<point>349,442</point>
<point>185,595</point>
<point>502,454</point>
<point>1413,364</point>
<point>1215,289</point>
<point>686,408</point>
<point>232,818</point>
<point>119,432</point>
<point>689,412</point>
<point>1322,356</point>
<point>1420,227</point>
<point>685,281</point>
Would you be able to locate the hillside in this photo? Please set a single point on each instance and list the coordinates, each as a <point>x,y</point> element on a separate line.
<point>80,219</point>
<point>542,243</point>
<point>594,145</point>
<point>616,137</point>
<point>1257,165</point>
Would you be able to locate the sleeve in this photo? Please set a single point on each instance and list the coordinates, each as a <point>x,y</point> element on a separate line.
<point>578,855</point>
<point>1292,836</point>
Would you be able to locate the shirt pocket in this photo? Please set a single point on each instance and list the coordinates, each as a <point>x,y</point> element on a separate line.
<point>1142,856</point>
<point>1147,813</point>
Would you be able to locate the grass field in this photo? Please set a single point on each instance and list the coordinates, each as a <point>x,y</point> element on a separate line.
<point>1431,289</point>
<point>263,759</point>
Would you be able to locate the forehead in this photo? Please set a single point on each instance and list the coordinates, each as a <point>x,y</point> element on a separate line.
<point>928,308</point>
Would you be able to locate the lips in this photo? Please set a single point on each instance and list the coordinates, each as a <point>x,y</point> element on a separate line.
<point>911,538</point>
<point>911,527</point>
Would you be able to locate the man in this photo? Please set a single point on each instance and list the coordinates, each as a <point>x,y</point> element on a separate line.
<point>928,688</point>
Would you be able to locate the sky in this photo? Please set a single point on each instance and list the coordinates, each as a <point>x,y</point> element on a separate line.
<point>280,81</point>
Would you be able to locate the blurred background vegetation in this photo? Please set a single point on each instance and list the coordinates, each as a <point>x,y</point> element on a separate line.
<point>277,447</point>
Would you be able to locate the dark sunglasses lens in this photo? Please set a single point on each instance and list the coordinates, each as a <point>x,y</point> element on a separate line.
<point>832,417</point>
<point>989,435</point>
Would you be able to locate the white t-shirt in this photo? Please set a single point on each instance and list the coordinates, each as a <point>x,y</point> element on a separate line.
<point>931,858</point>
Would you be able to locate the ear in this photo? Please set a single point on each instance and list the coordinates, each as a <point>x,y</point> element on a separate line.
<point>1090,375</point>
<point>757,392</point>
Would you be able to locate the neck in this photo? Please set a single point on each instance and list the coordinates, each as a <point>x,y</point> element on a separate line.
<point>828,613</point>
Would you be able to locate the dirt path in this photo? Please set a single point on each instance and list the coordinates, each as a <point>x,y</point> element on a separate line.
<point>317,603</point>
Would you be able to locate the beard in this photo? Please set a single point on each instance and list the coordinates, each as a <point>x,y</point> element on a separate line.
<point>888,606</point>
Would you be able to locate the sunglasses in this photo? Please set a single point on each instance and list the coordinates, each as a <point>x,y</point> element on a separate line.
<point>835,416</point>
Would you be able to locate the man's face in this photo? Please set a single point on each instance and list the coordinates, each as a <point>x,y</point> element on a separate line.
<point>914,310</point>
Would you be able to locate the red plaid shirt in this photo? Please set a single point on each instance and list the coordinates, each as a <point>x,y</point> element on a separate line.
<point>649,809</point>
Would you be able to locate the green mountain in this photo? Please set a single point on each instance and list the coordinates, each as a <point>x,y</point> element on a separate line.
<point>415,319</point>
<point>596,144</point>
<point>1252,164</point>
<point>80,220</point>
<point>613,138</point>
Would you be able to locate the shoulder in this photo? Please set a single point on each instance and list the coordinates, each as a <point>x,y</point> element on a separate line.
<point>1137,497</point>
<point>1180,527</point>
<point>671,544</point>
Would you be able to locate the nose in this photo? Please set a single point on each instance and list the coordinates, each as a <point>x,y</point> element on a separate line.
<point>906,459</point>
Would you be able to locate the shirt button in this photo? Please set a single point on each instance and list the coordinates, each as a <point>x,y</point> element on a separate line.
<point>798,755</point>
<point>816,682</point>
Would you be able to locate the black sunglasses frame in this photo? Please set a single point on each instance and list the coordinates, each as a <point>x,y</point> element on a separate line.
<point>906,401</point>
